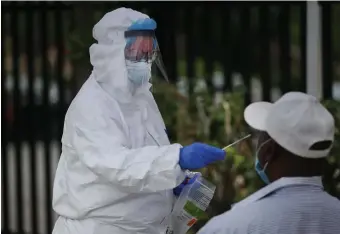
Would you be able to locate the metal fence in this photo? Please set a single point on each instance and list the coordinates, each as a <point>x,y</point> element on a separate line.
<point>259,42</point>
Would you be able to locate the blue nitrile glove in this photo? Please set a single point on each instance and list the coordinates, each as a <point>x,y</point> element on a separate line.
<point>199,155</point>
<point>187,181</point>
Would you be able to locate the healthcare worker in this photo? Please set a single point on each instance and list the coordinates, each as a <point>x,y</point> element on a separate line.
<point>296,134</point>
<point>118,171</point>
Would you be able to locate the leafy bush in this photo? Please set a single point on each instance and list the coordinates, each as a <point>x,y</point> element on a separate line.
<point>218,124</point>
<point>332,177</point>
<point>198,118</point>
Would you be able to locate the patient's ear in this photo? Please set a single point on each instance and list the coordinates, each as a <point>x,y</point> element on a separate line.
<point>268,150</point>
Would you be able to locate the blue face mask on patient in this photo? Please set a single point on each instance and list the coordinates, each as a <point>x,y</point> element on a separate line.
<point>258,167</point>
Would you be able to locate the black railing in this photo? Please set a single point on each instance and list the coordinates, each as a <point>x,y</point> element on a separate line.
<point>250,39</point>
<point>31,120</point>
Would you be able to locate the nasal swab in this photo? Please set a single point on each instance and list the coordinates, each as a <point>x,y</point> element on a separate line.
<point>243,138</point>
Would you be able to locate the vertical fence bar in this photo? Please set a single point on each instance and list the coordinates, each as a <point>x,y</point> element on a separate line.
<point>284,41</point>
<point>30,118</point>
<point>167,37</point>
<point>313,51</point>
<point>225,55</point>
<point>4,137</point>
<point>46,113</point>
<point>207,16</point>
<point>303,46</point>
<point>327,61</point>
<point>17,109</point>
<point>172,43</point>
<point>59,69</point>
<point>189,45</point>
<point>246,51</point>
<point>74,81</point>
<point>171,52</point>
<point>264,45</point>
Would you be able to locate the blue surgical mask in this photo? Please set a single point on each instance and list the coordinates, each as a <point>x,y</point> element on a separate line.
<point>138,72</point>
<point>259,169</point>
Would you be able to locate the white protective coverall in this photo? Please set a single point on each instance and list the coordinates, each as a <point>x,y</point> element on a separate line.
<point>117,168</point>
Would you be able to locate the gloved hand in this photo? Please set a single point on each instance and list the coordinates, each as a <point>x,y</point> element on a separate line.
<point>187,181</point>
<point>199,155</point>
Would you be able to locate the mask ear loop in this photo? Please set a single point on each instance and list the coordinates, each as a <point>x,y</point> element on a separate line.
<point>265,166</point>
<point>258,150</point>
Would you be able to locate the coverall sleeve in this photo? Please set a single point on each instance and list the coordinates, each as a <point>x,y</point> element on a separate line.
<point>102,148</point>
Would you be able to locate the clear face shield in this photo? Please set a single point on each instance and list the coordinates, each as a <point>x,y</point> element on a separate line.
<point>142,53</point>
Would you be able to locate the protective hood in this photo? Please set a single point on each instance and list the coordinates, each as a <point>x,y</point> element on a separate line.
<point>107,55</point>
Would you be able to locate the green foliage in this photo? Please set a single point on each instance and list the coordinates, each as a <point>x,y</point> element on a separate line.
<point>332,177</point>
<point>80,40</point>
<point>199,119</point>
